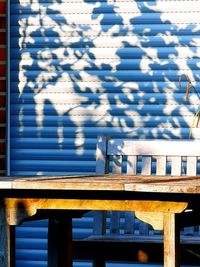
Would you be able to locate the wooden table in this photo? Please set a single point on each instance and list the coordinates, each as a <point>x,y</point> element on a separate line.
<point>158,200</point>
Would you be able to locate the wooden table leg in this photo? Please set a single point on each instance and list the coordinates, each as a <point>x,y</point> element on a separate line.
<point>7,239</point>
<point>60,242</point>
<point>171,241</point>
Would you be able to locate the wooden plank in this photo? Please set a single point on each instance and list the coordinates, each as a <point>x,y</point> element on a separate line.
<point>171,241</point>
<point>164,184</point>
<point>87,183</point>
<point>5,183</point>
<point>191,170</point>
<point>102,161</point>
<point>132,165</point>
<point>191,166</point>
<point>29,206</point>
<point>146,165</point>
<point>161,162</point>
<point>4,237</point>
<point>176,166</point>
<point>154,147</point>
<point>117,164</point>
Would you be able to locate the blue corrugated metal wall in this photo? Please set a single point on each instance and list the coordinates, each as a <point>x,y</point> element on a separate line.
<point>84,67</point>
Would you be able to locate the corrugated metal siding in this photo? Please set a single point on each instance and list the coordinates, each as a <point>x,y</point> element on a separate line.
<point>2,85</point>
<point>31,241</point>
<point>82,68</point>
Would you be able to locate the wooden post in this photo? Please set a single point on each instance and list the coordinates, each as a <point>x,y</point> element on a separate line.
<point>171,241</point>
<point>4,237</point>
<point>60,242</point>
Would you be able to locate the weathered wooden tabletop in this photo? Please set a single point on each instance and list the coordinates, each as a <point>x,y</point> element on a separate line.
<point>134,183</point>
<point>22,197</point>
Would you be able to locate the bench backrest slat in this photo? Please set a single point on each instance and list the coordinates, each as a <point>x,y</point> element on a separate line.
<point>102,158</point>
<point>161,165</point>
<point>131,165</point>
<point>129,218</point>
<point>146,165</point>
<point>117,164</point>
<point>191,166</point>
<point>176,165</point>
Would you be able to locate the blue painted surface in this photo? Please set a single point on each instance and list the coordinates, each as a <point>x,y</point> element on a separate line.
<point>117,73</point>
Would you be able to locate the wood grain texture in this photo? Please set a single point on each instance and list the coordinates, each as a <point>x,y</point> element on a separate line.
<point>20,209</point>
<point>155,219</point>
<point>191,166</point>
<point>176,165</point>
<point>132,165</point>
<point>161,165</point>
<point>4,237</point>
<point>117,182</point>
<point>146,165</point>
<point>171,241</point>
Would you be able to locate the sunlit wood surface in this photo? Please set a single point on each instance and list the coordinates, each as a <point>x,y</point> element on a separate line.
<point>163,184</point>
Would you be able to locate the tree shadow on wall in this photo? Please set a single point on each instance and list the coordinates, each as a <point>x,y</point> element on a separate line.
<point>96,68</point>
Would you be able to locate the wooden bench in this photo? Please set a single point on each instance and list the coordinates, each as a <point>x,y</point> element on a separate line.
<point>142,157</point>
